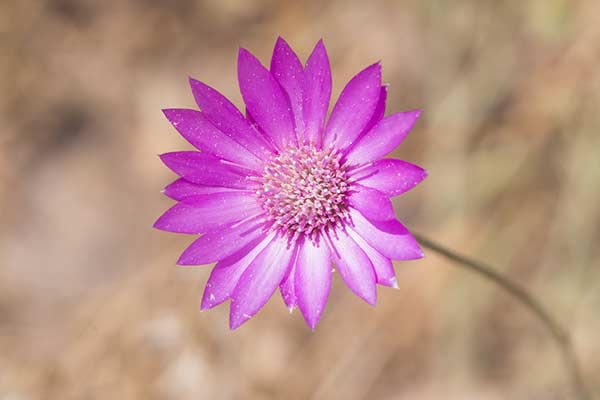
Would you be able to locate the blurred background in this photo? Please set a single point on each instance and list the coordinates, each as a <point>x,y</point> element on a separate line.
<point>91,303</point>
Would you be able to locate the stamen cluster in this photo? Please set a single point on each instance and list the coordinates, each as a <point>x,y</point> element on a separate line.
<point>304,190</point>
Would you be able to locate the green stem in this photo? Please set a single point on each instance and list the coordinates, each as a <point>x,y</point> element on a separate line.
<point>525,298</point>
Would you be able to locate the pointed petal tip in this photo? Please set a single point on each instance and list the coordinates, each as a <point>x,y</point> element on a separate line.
<point>203,305</point>
<point>197,86</point>
<point>244,58</point>
<point>375,66</point>
<point>158,224</point>
<point>207,301</point>
<point>280,41</point>
<point>311,320</point>
<point>319,48</point>
<point>423,173</point>
<point>182,262</point>
<point>418,252</point>
<point>244,53</point>
<point>372,301</point>
<point>193,82</point>
<point>235,323</point>
<point>416,113</point>
<point>282,45</point>
<point>165,158</point>
<point>233,327</point>
<point>162,223</point>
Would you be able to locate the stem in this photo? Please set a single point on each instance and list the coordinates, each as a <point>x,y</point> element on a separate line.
<point>526,299</point>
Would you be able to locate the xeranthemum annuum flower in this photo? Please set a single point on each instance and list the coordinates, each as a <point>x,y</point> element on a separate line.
<point>281,195</point>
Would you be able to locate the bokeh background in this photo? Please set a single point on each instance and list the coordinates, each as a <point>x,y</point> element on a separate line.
<point>91,303</point>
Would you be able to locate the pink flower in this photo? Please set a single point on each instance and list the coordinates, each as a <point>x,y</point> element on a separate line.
<point>280,195</point>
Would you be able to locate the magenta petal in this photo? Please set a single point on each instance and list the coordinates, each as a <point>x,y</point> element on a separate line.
<point>390,176</point>
<point>377,114</point>
<point>372,203</point>
<point>354,266</point>
<point>354,108</point>
<point>208,170</point>
<point>228,242</point>
<point>316,93</point>
<point>288,290</point>
<point>195,127</point>
<point>228,119</point>
<point>287,70</point>
<point>181,189</point>
<point>383,138</point>
<point>259,281</point>
<point>384,269</point>
<point>203,213</point>
<point>390,238</point>
<point>266,101</point>
<point>225,276</point>
<point>312,280</point>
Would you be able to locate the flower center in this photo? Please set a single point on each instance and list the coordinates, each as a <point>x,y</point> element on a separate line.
<point>304,190</point>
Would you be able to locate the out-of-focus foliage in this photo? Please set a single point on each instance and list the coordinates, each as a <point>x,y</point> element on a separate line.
<point>91,305</point>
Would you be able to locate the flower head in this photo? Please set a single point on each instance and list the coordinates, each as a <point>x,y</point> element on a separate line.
<point>283,194</point>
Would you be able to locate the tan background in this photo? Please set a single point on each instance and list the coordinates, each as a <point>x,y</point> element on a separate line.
<point>91,304</point>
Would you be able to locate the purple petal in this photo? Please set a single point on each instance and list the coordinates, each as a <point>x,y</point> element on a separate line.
<point>181,189</point>
<point>354,266</point>
<point>203,213</point>
<point>377,114</point>
<point>208,170</point>
<point>195,127</point>
<point>228,119</point>
<point>354,108</point>
<point>316,93</point>
<point>226,275</point>
<point>259,281</point>
<point>229,242</point>
<point>288,290</point>
<point>390,176</point>
<point>312,280</point>
<point>372,203</point>
<point>287,70</point>
<point>383,138</point>
<point>390,238</point>
<point>266,101</point>
<point>251,120</point>
<point>384,269</point>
